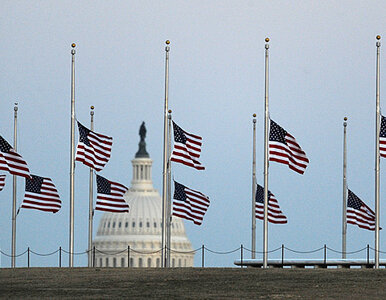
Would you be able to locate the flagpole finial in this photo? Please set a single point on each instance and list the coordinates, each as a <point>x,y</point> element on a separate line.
<point>169,111</point>
<point>378,43</point>
<point>267,39</point>
<point>73,45</point>
<point>254,118</point>
<point>92,110</point>
<point>345,119</point>
<point>16,107</point>
<point>167,48</point>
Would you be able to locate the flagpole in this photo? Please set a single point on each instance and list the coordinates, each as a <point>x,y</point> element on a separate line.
<point>72,159</point>
<point>266,137</point>
<point>253,211</point>
<point>165,158</point>
<point>377,163</point>
<point>90,202</point>
<point>169,204</point>
<point>344,209</point>
<point>13,260</point>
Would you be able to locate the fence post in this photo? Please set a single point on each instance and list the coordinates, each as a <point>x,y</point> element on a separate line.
<point>368,254</point>
<point>60,256</point>
<point>325,254</point>
<point>202,256</point>
<point>282,255</point>
<point>93,257</point>
<point>241,255</point>
<point>128,256</point>
<point>28,256</point>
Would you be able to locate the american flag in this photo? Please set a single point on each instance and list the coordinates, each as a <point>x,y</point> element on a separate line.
<point>189,204</point>
<point>110,196</point>
<point>284,149</point>
<point>41,194</point>
<point>382,137</point>
<point>187,148</point>
<point>11,161</point>
<point>94,149</point>
<point>358,213</point>
<point>2,182</point>
<point>275,215</point>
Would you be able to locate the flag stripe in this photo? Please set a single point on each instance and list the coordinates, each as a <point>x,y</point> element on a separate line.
<point>41,203</point>
<point>284,149</point>
<point>44,197</point>
<point>93,149</point>
<point>275,215</point>
<point>110,196</point>
<point>183,149</point>
<point>382,137</point>
<point>92,155</point>
<point>188,163</point>
<point>11,161</point>
<point>2,182</point>
<point>189,204</point>
<point>113,210</point>
<point>358,213</point>
<point>187,148</point>
<point>180,207</point>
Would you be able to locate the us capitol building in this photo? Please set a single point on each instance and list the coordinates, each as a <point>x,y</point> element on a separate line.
<point>141,228</point>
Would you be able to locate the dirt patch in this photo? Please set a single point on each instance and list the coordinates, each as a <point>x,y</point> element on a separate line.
<point>193,283</point>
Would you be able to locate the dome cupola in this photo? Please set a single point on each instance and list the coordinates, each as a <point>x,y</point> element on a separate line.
<point>142,177</point>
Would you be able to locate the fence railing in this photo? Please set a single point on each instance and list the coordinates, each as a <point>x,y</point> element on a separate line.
<point>201,249</point>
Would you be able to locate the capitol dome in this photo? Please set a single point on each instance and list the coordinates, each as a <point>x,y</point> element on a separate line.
<point>135,237</point>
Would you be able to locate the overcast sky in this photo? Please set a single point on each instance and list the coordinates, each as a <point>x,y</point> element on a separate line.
<point>322,68</point>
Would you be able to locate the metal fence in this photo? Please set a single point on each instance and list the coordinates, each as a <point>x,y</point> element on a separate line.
<point>203,250</point>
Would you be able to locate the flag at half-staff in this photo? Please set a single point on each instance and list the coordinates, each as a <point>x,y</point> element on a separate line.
<point>94,149</point>
<point>187,148</point>
<point>284,149</point>
<point>11,161</point>
<point>275,215</point>
<point>41,194</point>
<point>189,204</point>
<point>2,182</point>
<point>382,137</point>
<point>110,196</point>
<point>358,213</point>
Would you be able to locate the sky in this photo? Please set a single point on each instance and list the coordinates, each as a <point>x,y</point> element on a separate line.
<point>321,69</point>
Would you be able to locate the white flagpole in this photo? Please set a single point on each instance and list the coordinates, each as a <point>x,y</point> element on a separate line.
<point>169,203</point>
<point>377,163</point>
<point>14,214</point>
<point>90,202</point>
<point>72,159</point>
<point>165,158</point>
<point>344,209</point>
<point>253,211</point>
<point>266,137</point>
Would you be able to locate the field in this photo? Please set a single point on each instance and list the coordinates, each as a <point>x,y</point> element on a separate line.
<point>193,283</point>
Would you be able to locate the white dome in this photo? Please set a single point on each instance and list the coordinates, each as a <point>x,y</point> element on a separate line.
<point>141,228</point>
